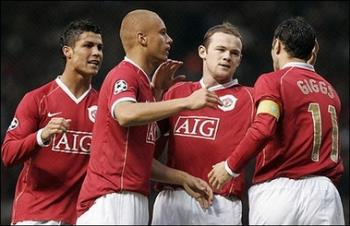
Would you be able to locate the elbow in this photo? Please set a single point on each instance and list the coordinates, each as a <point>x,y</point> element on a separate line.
<point>125,119</point>
<point>126,114</point>
<point>6,159</point>
<point>9,154</point>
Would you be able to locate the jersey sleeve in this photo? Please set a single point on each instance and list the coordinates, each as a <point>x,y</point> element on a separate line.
<point>123,87</point>
<point>267,88</point>
<point>20,139</point>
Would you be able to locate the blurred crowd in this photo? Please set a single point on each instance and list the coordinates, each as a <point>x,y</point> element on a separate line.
<point>30,54</point>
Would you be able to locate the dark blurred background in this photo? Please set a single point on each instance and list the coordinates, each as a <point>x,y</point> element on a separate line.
<point>30,54</point>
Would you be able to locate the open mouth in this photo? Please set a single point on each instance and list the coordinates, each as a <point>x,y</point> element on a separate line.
<point>225,66</point>
<point>94,62</point>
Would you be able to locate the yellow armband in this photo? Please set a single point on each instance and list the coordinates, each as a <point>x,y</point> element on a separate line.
<point>269,107</point>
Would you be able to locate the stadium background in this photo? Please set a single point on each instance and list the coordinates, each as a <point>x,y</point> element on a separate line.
<point>30,53</point>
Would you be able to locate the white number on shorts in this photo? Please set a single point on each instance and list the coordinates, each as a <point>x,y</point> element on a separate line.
<point>314,108</point>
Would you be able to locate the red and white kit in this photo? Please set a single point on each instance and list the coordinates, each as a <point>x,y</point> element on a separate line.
<point>199,139</point>
<point>52,174</point>
<point>121,156</point>
<point>305,146</point>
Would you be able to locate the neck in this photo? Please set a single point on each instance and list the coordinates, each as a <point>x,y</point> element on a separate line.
<point>141,60</point>
<point>286,59</point>
<point>76,83</point>
<point>210,80</point>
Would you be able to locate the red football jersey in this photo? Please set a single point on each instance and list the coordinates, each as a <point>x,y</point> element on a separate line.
<point>121,157</point>
<point>306,140</point>
<point>49,183</point>
<point>201,138</point>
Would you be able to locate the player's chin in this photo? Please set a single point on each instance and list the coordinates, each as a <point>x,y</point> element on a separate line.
<point>162,59</point>
<point>92,72</point>
<point>164,56</point>
<point>224,74</point>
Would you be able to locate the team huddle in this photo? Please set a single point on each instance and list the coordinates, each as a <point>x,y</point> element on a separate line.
<point>89,156</point>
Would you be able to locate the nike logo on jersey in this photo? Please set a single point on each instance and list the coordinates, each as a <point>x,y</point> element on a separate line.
<point>53,114</point>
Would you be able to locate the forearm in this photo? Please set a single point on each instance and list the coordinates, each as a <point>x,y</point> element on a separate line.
<point>261,131</point>
<point>131,114</point>
<point>165,174</point>
<point>15,151</point>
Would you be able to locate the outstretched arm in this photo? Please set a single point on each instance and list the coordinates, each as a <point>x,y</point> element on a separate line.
<point>131,114</point>
<point>261,130</point>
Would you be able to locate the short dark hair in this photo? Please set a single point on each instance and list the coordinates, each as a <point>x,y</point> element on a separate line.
<point>298,37</point>
<point>225,27</point>
<point>74,29</point>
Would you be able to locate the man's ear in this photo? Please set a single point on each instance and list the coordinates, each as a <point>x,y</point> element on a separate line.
<point>141,38</point>
<point>277,46</point>
<point>314,53</point>
<point>67,51</point>
<point>202,52</point>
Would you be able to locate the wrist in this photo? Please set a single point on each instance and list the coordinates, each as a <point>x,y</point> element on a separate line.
<point>42,142</point>
<point>229,171</point>
<point>183,177</point>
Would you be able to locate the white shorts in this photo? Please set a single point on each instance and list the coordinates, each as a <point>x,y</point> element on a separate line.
<point>50,222</point>
<point>177,207</point>
<point>117,209</point>
<point>308,201</point>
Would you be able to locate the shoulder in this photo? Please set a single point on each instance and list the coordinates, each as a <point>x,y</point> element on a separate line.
<point>248,89</point>
<point>123,71</point>
<point>270,77</point>
<point>182,88</point>
<point>42,91</point>
<point>123,68</point>
<point>94,92</point>
<point>35,97</point>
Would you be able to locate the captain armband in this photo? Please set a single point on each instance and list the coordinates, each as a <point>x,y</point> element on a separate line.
<point>269,107</point>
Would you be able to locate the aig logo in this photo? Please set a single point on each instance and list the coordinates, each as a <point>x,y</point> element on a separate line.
<point>152,131</point>
<point>197,126</point>
<point>74,142</point>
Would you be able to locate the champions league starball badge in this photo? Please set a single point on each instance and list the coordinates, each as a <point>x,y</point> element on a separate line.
<point>120,86</point>
<point>13,124</point>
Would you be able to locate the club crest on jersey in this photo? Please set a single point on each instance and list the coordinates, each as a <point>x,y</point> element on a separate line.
<point>228,102</point>
<point>120,86</point>
<point>92,113</point>
<point>197,126</point>
<point>13,124</point>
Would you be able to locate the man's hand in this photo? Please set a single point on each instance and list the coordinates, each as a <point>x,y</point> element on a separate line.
<point>55,126</point>
<point>203,98</point>
<point>198,189</point>
<point>164,77</point>
<point>218,176</point>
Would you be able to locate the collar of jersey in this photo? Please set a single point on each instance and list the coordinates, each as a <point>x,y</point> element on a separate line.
<point>220,86</point>
<point>137,66</point>
<point>69,93</point>
<point>300,65</point>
